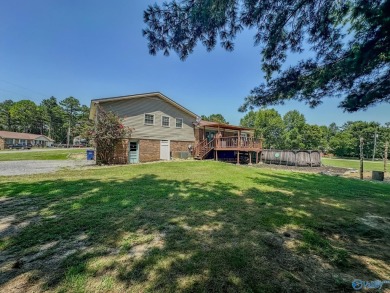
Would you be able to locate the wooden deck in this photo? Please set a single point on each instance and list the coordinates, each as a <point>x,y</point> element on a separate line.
<point>236,143</point>
<point>231,143</point>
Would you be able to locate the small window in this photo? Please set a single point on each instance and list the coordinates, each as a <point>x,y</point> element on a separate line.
<point>149,119</point>
<point>133,146</point>
<point>165,121</point>
<point>179,122</point>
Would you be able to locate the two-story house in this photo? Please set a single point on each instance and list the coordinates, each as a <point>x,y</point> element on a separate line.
<point>163,129</point>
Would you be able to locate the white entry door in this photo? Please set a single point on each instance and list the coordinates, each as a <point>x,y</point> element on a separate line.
<point>134,152</point>
<point>165,150</point>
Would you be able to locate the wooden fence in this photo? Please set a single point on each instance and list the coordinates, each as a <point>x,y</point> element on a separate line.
<point>292,158</point>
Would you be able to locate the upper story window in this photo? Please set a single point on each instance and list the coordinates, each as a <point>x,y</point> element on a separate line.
<point>165,121</point>
<point>179,122</point>
<point>149,119</point>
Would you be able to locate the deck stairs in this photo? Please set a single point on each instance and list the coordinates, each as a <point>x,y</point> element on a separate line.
<point>203,148</point>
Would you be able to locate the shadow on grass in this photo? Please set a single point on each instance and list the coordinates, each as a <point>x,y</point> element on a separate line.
<point>282,233</point>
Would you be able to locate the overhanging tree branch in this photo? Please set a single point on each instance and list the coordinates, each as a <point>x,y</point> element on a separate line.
<point>284,26</point>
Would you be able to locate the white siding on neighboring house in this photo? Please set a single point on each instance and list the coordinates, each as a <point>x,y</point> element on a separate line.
<point>133,112</point>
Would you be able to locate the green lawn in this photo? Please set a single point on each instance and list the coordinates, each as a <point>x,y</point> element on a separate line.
<point>60,154</point>
<point>191,226</point>
<point>347,163</point>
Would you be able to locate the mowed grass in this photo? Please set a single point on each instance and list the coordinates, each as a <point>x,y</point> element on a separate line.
<point>60,154</point>
<point>355,164</point>
<point>191,227</point>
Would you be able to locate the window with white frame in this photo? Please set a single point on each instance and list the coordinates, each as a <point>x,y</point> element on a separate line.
<point>149,119</point>
<point>179,122</point>
<point>165,121</point>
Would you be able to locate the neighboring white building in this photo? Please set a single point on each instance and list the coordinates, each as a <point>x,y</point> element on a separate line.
<point>8,138</point>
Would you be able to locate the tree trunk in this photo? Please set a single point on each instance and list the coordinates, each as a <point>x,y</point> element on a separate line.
<point>49,134</point>
<point>68,136</point>
<point>385,157</point>
<point>361,158</point>
<point>9,122</point>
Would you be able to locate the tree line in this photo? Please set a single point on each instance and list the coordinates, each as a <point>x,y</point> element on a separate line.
<point>292,132</point>
<point>59,120</point>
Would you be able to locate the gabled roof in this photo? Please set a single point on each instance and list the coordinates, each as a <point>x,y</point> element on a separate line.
<point>95,102</point>
<point>19,135</point>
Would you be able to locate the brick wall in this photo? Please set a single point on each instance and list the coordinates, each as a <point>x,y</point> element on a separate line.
<point>122,152</point>
<point>149,150</point>
<point>2,144</point>
<point>180,146</point>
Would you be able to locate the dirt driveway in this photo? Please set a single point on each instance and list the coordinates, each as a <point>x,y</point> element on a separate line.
<point>10,168</point>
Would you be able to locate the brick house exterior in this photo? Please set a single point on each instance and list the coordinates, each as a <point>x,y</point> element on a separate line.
<point>162,129</point>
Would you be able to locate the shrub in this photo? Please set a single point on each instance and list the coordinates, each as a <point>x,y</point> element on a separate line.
<point>108,131</point>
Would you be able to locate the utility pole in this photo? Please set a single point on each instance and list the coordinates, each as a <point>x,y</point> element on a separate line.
<point>375,137</point>
<point>385,157</point>
<point>361,157</point>
<point>68,137</point>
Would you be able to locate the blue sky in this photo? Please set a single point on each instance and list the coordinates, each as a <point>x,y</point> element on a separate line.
<point>94,49</point>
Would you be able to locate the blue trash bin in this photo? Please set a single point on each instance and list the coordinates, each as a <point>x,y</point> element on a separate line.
<point>90,155</point>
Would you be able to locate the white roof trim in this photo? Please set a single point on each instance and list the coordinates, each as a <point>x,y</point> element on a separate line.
<point>95,102</point>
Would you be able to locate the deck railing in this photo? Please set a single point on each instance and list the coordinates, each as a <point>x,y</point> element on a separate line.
<point>225,143</point>
<point>203,148</point>
<point>235,142</point>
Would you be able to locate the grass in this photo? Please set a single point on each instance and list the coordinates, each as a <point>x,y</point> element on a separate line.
<point>61,154</point>
<point>191,226</point>
<point>349,163</point>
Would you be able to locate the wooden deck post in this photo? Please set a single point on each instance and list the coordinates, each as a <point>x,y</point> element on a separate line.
<point>238,158</point>
<point>250,159</point>
<point>257,158</point>
<point>216,155</point>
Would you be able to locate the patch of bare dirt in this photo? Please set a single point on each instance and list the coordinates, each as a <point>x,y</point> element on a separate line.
<point>16,214</point>
<point>140,250</point>
<point>301,272</point>
<point>324,169</point>
<point>366,176</point>
<point>10,225</point>
<point>27,273</point>
<point>377,222</point>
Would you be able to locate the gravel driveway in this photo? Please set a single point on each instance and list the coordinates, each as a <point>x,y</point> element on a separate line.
<point>10,168</point>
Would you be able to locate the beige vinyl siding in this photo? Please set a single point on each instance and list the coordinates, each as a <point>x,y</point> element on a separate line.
<point>133,112</point>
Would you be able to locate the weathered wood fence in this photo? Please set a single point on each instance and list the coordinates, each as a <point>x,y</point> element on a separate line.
<point>292,158</point>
